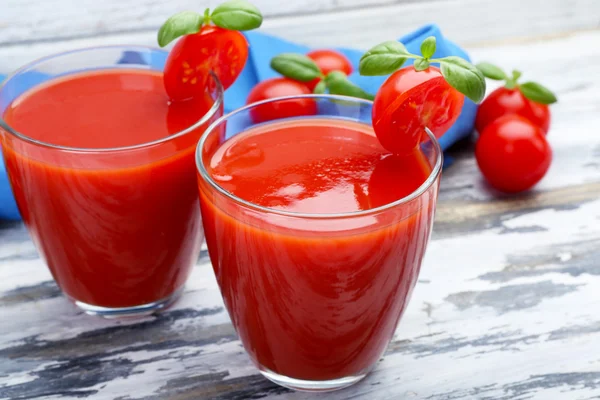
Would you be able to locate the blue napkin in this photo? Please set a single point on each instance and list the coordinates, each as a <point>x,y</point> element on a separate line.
<point>8,206</point>
<point>263,47</point>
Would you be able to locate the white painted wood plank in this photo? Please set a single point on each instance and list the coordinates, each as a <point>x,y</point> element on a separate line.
<point>32,20</point>
<point>464,21</point>
<point>505,308</point>
<point>486,322</point>
<point>334,22</point>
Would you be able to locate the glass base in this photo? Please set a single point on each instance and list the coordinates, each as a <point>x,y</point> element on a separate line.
<point>128,312</point>
<point>311,386</point>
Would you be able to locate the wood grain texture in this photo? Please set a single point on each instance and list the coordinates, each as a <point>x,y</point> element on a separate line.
<point>505,308</point>
<point>314,22</point>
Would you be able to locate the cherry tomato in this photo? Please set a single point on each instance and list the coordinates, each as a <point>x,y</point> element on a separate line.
<point>513,153</point>
<point>410,100</point>
<point>279,87</point>
<point>503,101</point>
<point>192,58</point>
<point>328,61</point>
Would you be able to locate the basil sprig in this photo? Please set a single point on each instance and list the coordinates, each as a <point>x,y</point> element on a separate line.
<point>303,69</point>
<point>238,15</point>
<point>387,57</point>
<point>531,90</point>
<point>296,66</point>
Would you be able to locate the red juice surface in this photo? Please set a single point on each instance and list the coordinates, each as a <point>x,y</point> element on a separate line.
<point>117,228</point>
<point>315,299</point>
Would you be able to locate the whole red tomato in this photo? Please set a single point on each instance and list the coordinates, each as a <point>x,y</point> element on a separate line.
<point>328,61</point>
<point>504,101</point>
<point>410,100</point>
<point>513,153</point>
<point>280,87</point>
<point>192,58</point>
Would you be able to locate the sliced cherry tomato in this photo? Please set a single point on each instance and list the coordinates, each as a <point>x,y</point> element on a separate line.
<point>513,154</point>
<point>410,100</point>
<point>279,87</point>
<point>503,101</point>
<point>193,57</point>
<point>328,61</point>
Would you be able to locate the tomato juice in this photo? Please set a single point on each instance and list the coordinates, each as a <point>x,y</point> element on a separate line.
<point>117,221</point>
<point>314,260</point>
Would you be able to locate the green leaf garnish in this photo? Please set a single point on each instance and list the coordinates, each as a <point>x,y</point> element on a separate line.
<point>428,47</point>
<point>239,15</point>
<point>421,64</point>
<point>531,90</point>
<point>183,23</point>
<point>320,88</point>
<point>538,93</point>
<point>383,59</point>
<point>296,66</point>
<point>338,83</point>
<point>387,57</point>
<point>464,77</point>
<point>303,69</point>
<point>491,71</point>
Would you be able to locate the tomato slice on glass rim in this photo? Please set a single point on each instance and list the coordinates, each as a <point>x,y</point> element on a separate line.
<point>410,101</point>
<point>189,63</point>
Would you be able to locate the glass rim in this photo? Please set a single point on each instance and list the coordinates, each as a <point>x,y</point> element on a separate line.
<point>433,175</point>
<point>205,117</point>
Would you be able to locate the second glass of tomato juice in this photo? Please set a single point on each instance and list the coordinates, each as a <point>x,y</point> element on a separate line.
<point>316,234</point>
<point>102,168</point>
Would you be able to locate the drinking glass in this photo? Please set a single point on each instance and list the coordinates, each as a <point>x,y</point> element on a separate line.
<point>315,298</point>
<point>119,228</point>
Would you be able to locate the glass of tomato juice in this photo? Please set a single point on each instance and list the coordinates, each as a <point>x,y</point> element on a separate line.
<point>315,232</point>
<point>102,168</point>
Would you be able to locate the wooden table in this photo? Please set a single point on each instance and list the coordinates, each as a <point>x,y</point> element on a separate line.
<point>506,306</point>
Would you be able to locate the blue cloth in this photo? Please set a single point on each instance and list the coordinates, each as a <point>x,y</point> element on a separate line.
<point>8,207</point>
<point>263,47</point>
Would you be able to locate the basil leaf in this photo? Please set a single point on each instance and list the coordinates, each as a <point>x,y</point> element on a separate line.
<point>320,88</point>
<point>428,47</point>
<point>238,15</point>
<point>296,66</point>
<point>180,24</point>
<point>538,93</point>
<point>383,59</point>
<point>338,83</point>
<point>464,77</point>
<point>491,71</point>
<point>421,64</point>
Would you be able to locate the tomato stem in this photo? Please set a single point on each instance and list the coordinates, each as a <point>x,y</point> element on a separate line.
<point>511,83</point>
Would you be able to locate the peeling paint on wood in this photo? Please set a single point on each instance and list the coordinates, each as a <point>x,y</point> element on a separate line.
<point>506,306</point>
<point>306,21</point>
